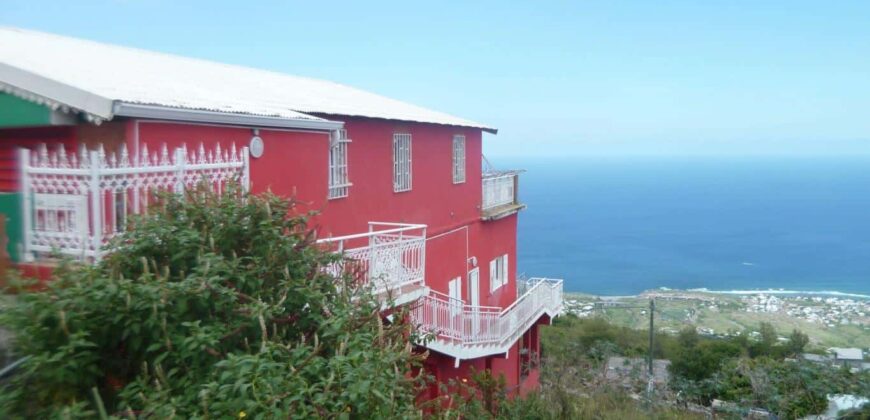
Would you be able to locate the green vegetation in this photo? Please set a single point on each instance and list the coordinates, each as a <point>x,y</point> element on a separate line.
<point>752,373</point>
<point>212,307</point>
<point>485,397</point>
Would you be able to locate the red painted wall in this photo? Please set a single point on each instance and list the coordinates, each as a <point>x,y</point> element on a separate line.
<point>296,163</point>
<point>433,199</point>
<point>13,139</point>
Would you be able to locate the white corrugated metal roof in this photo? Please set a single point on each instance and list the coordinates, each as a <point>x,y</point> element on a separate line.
<point>848,353</point>
<point>88,73</point>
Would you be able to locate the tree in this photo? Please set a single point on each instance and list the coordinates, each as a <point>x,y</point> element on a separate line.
<point>210,306</point>
<point>768,334</point>
<point>797,341</point>
<point>766,343</point>
<point>688,337</point>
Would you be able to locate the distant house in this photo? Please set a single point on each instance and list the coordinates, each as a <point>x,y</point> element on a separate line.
<point>849,357</point>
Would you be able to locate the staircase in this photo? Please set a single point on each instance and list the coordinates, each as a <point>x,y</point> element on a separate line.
<point>468,332</point>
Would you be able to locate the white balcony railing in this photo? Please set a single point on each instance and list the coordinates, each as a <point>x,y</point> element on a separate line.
<point>460,325</point>
<point>390,256</point>
<point>499,189</point>
<point>74,203</point>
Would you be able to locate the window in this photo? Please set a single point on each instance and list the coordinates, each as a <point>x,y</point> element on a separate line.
<point>498,269</point>
<point>401,162</point>
<point>339,183</point>
<point>458,159</point>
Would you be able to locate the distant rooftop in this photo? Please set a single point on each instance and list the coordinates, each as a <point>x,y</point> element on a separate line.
<point>848,353</point>
<point>103,80</point>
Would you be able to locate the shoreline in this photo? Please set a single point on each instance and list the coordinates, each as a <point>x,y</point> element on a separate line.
<point>830,319</point>
<point>738,292</point>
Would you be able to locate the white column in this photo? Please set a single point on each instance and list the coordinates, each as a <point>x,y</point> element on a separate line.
<point>96,204</point>
<point>26,202</point>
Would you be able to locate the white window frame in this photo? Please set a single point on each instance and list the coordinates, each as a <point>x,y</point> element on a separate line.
<point>339,182</point>
<point>498,273</point>
<point>458,159</point>
<point>401,162</point>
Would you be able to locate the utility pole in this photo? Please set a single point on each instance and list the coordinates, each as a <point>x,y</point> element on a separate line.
<point>652,308</point>
<point>652,330</point>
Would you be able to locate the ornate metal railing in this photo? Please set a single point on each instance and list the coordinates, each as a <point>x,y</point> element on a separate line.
<point>451,320</point>
<point>389,256</point>
<point>73,204</point>
<point>499,189</point>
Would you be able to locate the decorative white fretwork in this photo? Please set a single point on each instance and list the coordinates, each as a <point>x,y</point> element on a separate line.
<point>389,256</point>
<point>73,203</point>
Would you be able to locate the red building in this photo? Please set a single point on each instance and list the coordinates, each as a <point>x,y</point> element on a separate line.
<point>401,189</point>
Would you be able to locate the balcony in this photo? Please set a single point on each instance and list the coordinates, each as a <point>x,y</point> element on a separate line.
<point>467,332</point>
<point>390,258</point>
<point>500,194</point>
<point>75,203</point>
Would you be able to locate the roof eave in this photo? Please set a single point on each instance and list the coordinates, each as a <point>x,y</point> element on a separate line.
<point>34,87</point>
<point>123,109</point>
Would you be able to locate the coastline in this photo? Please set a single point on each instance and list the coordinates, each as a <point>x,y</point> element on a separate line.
<point>830,319</point>
<point>704,290</point>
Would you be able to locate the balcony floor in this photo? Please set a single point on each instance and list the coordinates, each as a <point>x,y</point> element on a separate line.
<point>500,212</point>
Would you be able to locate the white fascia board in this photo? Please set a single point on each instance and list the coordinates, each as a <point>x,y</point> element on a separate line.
<point>55,91</point>
<point>122,109</point>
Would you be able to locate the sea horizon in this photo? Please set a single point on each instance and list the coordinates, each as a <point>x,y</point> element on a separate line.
<point>621,225</point>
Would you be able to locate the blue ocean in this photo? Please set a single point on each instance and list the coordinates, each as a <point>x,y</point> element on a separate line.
<point>622,225</point>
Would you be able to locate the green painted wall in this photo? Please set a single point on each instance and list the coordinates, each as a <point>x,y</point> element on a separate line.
<point>10,206</point>
<point>16,112</point>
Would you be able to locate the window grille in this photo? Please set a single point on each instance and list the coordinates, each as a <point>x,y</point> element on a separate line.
<point>339,183</point>
<point>458,159</point>
<point>498,269</point>
<point>401,162</point>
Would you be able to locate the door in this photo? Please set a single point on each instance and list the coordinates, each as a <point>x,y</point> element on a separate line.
<point>474,287</point>
<point>474,299</point>
<point>454,290</point>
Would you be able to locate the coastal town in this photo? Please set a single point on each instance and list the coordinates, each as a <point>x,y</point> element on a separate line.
<point>829,321</point>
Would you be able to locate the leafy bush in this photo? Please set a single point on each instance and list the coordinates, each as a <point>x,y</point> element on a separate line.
<point>210,306</point>
<point>789,389</point>
<point>697,360</point>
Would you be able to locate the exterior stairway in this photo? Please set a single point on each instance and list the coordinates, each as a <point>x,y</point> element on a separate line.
<point>468,332</point>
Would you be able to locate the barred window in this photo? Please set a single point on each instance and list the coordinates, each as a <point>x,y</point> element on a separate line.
<point>458,159</point>
<point>339,183</point>
<point>498,272</point>
<point>401,162</point>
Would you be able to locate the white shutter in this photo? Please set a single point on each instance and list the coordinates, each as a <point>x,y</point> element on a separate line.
<point>339,182</point>
<point>493,275</point>
<point>505,276</point>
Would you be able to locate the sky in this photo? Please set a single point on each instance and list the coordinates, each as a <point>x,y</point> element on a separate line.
<point>556,78</point>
